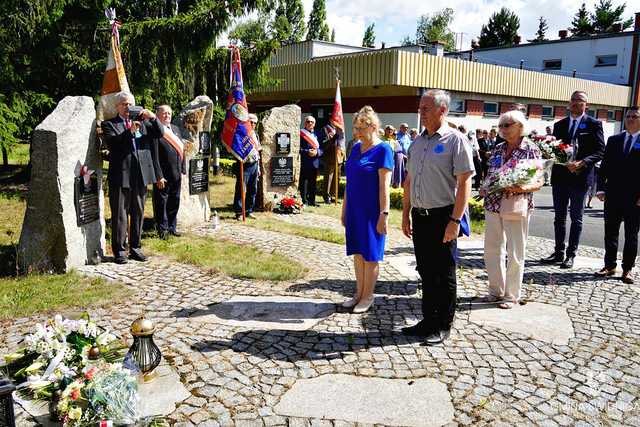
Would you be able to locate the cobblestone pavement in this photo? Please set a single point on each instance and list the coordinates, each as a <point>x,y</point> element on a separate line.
<point>236,376</point>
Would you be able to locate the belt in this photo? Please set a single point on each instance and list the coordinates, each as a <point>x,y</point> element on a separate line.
<point>432,211</point>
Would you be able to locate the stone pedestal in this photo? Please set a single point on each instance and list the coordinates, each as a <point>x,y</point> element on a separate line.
<point>276,121</point>
<point>51,238</point>
<point>194,118</point>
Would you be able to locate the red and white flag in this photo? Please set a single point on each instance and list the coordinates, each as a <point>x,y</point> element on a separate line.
<point>337,119</point>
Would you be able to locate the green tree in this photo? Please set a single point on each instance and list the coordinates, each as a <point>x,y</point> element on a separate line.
<point>369,39</point>
<point>407,41</point>
<point>501,30</point>
<point>581,24</point>
<point>435,27</point>
<point>542,31</point>
<point>317,26</point>
<point>605,15</point>
<point>288,24</point>
<point>54,48</point>
<point>333,35</point>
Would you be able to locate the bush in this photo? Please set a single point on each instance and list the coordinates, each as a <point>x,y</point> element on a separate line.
<point>341,186</point>
<point>396,195</point>
<point>476,209</point>
<point>226,166</point>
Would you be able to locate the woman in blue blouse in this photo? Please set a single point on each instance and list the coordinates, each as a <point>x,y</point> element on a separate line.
<point>365,210</point>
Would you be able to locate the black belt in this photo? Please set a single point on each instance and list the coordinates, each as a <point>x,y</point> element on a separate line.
<point>432,211</point>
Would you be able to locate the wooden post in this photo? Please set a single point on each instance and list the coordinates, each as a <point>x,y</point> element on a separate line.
<point>242,190</point>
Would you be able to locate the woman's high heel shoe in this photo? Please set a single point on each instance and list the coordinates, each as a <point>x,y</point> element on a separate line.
<point>363,305</point>
<point>350,303</point>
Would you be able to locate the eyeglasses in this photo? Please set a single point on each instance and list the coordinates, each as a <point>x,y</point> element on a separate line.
<point>505,125</point>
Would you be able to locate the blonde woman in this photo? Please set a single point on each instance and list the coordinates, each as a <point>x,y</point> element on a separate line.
<point>506,236</point>
<point>365,210</point>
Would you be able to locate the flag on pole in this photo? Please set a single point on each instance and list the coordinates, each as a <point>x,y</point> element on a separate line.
<point>114,80</point>
<point>236,133</point>
<point>337,119</point>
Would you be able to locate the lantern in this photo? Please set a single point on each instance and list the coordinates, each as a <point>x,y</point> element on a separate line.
<point>7,416</point>
<point>144,352</point>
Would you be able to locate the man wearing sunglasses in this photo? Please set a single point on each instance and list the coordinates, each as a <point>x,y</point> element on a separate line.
<point>570,181</point>
<point>619,189</point>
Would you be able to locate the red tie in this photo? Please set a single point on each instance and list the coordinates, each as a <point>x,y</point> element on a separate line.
<point>127,124</point>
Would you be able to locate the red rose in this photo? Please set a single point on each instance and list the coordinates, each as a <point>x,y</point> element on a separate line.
<point>75,394</point>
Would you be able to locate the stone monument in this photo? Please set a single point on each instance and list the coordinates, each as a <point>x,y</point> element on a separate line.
<point>64,223</point>
<point>194,122</point>
<point>280,139</point>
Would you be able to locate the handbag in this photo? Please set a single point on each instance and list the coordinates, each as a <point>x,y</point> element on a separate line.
<point>514,207</point>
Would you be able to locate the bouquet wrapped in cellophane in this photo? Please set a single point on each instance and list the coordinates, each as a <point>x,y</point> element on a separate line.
<point>516,172</point>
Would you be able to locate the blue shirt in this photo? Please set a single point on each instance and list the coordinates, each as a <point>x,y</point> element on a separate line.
<point>404,140</point>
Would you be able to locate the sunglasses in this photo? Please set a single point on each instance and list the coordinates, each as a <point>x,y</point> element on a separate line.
<point>505,125</point>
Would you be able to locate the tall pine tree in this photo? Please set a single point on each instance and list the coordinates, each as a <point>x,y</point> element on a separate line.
<point>369,39</point>
<point>581,24</point>
<point>541,34</point>
<point>333,35</point>
<point>317,26</point>
<point>605,15</point>
<point>501,30</point>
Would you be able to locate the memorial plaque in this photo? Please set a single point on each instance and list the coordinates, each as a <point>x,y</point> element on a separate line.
<point>205,143</point>
<point>283,143</point>
<point>281,171</point>
<point>87,200</point>
<point>199,175</point>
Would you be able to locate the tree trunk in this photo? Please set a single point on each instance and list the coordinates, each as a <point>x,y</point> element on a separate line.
<point>5,156</point>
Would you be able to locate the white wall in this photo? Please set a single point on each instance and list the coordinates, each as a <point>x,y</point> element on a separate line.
<point>579,55</point>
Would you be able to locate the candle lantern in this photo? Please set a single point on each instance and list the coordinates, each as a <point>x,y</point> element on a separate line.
<point>7,416</point>
<point>144,352</point>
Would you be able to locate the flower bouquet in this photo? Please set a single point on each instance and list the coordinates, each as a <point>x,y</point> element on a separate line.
<point>516,172</point>
<point>289,205</point>
<point>554,149</point>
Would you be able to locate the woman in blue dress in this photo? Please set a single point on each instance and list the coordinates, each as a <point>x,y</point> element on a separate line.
<point>365,209</point>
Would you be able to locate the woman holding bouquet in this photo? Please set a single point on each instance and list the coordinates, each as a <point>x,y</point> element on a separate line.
<point>365,209</point>
<point>508,202</point>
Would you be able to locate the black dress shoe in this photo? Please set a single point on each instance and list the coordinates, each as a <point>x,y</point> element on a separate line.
<point>137,256</point>
<point>175,233</point>
<point>626,277</point>
<point>606,272</point>
<point>120,260</point>
<point>554,258</point>
<point>417,330</point>
<point>568,263</point>
<point>437,337</point>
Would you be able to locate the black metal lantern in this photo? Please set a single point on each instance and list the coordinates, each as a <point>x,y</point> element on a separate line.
<point>7,416</point>
<point>144,352</point>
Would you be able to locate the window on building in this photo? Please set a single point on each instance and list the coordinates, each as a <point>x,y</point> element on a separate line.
<point>547,111</point>
<point>491,108</point>
<point>606,61</point>
<point>552,64</point>
<point>611,115</point>
<point>591,113</point>
<point>457,106</point>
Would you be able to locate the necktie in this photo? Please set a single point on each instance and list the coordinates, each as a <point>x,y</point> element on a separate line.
<point>127,124</point>
<point>627,145</point>
<point>572,131</point>
<point>574,142</point>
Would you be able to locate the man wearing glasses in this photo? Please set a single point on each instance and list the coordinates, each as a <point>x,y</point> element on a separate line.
<point>570,181</point>
<point>619,189</point>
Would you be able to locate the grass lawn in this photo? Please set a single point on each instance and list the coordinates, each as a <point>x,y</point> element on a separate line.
<point>19,154</point>
<point>232,259</point>
<point>271,223</point>
<point>41,293</point>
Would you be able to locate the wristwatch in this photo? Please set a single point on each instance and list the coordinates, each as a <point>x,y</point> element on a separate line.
<point>384,212</point>
<point>452,219</point>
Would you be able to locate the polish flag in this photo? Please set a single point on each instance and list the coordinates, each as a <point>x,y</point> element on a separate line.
<point>337,119</point>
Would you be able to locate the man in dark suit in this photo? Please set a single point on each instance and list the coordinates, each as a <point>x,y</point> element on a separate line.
<point>619,188</point>
<point>170,167</point>
<point>570,182</point>
<point>131,169</point>
<point>310,153</point>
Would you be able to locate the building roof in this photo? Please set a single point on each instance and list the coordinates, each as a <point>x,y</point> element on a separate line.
<point>548,42</point>
<point>394,72</point>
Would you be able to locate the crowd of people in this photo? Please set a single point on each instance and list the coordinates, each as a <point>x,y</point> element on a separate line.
<point>440,165</point>
<point>434,167</point>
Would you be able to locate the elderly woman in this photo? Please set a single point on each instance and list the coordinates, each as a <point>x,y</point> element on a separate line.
<point>365,210</point>
<point>507,234</point>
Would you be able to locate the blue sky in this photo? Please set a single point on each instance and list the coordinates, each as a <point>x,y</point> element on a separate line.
<point>396,19</point>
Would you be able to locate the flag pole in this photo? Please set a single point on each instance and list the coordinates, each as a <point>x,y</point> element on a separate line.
<point>244,218</point>
<point>335,148</point>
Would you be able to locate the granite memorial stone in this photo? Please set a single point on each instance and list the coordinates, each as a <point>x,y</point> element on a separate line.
<point>275,125</point>
<point>64,223</point>
<point>193,121</point>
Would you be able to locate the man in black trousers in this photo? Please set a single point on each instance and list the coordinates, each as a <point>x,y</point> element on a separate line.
<point>131,169</point>
<point>436,193</point>
<point>170,167</point>
<point>570,182</point>
<point>619,188</point>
